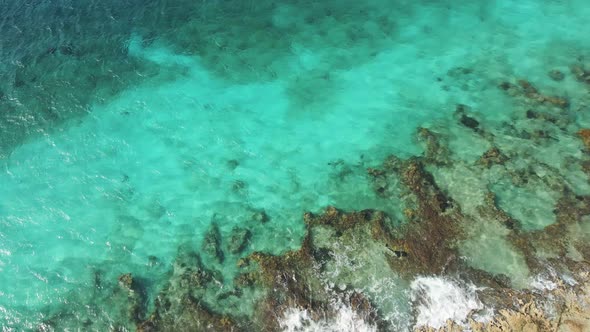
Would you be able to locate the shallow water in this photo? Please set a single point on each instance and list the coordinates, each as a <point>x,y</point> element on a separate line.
<point>129,127</point>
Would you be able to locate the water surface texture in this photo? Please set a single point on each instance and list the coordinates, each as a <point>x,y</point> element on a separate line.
<point>197,165</point>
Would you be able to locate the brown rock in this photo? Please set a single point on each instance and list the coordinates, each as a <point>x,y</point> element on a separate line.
<point>584,135</point>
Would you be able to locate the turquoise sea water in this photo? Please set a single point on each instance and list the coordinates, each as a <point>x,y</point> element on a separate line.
<point>129,127</point>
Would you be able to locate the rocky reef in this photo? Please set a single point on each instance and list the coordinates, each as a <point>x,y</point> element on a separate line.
<point>457,213</point>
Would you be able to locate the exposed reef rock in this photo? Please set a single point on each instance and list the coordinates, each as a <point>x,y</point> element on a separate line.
<point>564,308</point>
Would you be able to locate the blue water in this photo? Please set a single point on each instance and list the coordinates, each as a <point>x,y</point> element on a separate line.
<point>128,127</point>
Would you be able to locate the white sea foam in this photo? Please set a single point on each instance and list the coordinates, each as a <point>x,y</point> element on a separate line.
<point>438,299</point>
<point>297,320</point>
<point>542,283</point>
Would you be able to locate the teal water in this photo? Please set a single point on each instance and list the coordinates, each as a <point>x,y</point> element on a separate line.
<point>129,127</point>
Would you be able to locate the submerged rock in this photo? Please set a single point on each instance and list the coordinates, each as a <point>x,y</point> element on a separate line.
<point>581,74</point>
<point>469,122</point>
<point>135,297</point>
<point>375,172</point>
<point>247,279</point>
<point>584,135</point>
<point>341,221</point>
<point>232,164</point>
<point>342,250</point>
<point>465,119</point>
<point>556,75</point>
<point>238,240</point>
<point>126,281</point>
<point>260,216</point>
<point>187,314</point>
<point>239,187</point>
<point>429,241</point>
<point>491,157</point>
<point>436,150</point>
<point>184,304</point>
<point>212,243</point>
<point>491,211</point>
<point>526,89</point>
<point>379,181</point>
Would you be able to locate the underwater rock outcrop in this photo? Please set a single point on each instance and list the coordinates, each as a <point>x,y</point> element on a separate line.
<point>584,135</point>
<point>556,75</point>
<point>212,243</point>
<point>493,156</point>
<point>436,148</point>
<point>182,303</point>
<point>466,119</point>
<point>426,242</point>
<point>525,89</point>
<point>135,296</point>
<point>581,73</point>
<point>343,253</point>
<point>238,239</point>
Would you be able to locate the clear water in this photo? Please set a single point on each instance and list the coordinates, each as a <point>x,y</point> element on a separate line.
<point>128,126</point>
